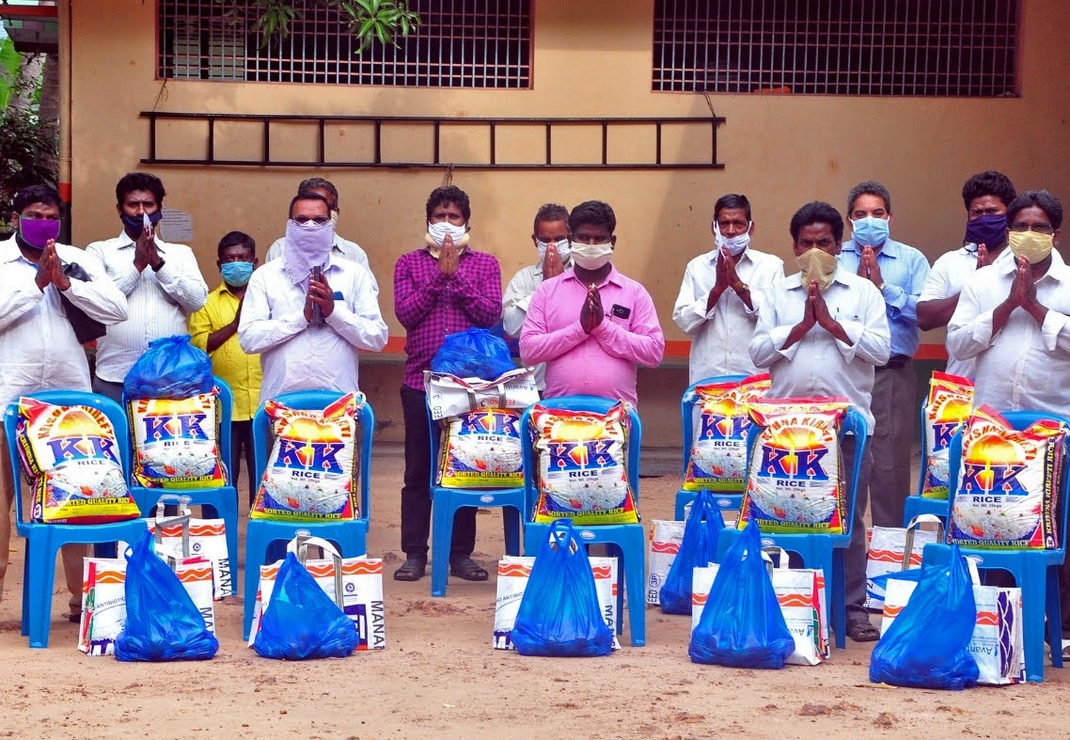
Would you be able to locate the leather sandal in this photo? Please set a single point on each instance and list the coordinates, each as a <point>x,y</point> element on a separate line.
<point>413,569</point>
<point>468,569</point>
<point>862,631</point>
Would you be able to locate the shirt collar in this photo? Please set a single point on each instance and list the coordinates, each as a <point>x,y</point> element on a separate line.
<point>10,252</point>
<point>613,276</point>
<point>1057,270</point>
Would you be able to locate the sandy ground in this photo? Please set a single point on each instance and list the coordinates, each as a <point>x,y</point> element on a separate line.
<point>439,677</point>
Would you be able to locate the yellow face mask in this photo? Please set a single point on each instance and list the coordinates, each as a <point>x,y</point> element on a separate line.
<point>817,266</point>
<point>1032,245</point>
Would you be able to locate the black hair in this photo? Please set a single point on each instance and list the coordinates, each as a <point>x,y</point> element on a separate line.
<point>321,184</point>
<point>308,196</point>
<point>236,239</point>
<point>132,181</point>
<point>36,194</point>
<point>731,200</point>
<point>817,212</point>
<point>592,212</point>
<point>869,187</point>
<point>988,183</point>
<point>1042,199</point>
<point>550,212</point>
<point>449,194</point>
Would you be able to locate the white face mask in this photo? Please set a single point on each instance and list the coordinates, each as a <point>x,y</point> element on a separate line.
<point>442,229</point>
<point>734,244</point>
<point>592,256</point>
<point>562,249</point>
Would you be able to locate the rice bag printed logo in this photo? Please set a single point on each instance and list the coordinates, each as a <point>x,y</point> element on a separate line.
<point>482,449</point>
<point>718,452</point>
<point>311,474</point>
<point>948,405</point>
<point>1006,490</point>
<point>72,458</point>
<point>582,466</point>
<point>176,442</point>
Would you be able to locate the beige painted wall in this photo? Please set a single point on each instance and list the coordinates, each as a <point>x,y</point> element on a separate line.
<point>591,59</point>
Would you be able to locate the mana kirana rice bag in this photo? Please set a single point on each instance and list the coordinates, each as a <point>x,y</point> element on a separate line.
<point>72,457</point>
<point>1007,490</point>
<point>949,404</point>
<point>795,482</point>
<point>481,449</point>
<point>176,442</point>
<point>311,474</point>
<point>718,458</point>
<point>583,459</point>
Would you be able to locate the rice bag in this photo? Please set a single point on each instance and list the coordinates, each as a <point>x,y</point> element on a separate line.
<point>1009,483</point>
<point>176,442</point>
<point>311,474</point>
<point>582,472</point>
<point>481,449</point>
<point>949,403</point>
<point>795,482</point>
<point>73,461</point>
<point>718,458</point>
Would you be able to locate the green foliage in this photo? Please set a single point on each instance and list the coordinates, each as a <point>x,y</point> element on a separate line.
<point>370,21</point>
<point>27,155</point>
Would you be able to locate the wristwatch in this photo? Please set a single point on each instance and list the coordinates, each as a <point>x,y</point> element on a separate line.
<point>157,266</point>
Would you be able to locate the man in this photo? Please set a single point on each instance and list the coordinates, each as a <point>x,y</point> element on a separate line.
<point>899,272</point>
<point>38,347</point>
<point>591,325</point>
<point>822,332</point>
<point>162,282</point>
<point>342,247</point>
<point>717,305</point>
<point>986,197</point>
<point>309,312</point>
<point>550,235</point>
<point>441,289</point>
<point>214,329</point>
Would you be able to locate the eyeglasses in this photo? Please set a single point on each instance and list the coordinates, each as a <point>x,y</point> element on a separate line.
<point>1039,228</point>
<point>318,220</point>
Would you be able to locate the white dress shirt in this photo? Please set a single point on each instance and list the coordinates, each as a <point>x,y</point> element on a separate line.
<point>159,303</point>
<point>1026,366</point>
<point>719,337</point>
<point>38,349</point>
<point>297,355</point>
<point>515,302</point>
<point>819,364</point>
<point>342,248</point>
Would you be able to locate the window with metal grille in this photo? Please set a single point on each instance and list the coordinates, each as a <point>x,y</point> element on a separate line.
<point>837,47</point>
<point>461,43</point>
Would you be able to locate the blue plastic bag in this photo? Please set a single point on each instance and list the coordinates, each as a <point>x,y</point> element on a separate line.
<point>162,622</point>
<point>742,625</point>
<point>697,550</point>
<point>170,368</point>
<point>475,353</point>
<point>927,646</point>
<point>559,614</point>
<point>301,621</point>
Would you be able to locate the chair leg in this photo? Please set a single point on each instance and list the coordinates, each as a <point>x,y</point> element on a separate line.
<point>441,539</point>
<point>635,582</point>
<point>1034,589</point>
<point>26,595</point>
<point>837,590</point>
<point>42,580</point>
<point>1055,616</point>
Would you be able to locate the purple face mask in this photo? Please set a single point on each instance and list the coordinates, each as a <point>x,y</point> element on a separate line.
<point>36,232</point>
<point>989,229</point>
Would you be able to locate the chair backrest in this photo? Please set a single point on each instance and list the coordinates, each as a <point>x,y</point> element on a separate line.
<point>578,403</point>
<point>687,414</point>
<point>315,400</point>
<point>112,410</point>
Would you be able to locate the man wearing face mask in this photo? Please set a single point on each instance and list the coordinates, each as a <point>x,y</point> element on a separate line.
<point>717,304</point>
<point>214,329</point>
<point>39,349</point>
<point>442,289</point>
<point>592,325</point>
<point>161,281</point>
<point>899,272</point>
<point>550,235</point>
<point>822,332</point>
<point>986,197</point>
<point>307,313</point>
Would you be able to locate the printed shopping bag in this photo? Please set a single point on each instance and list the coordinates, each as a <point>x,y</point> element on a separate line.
<point>665,538</point>
<point>887,553</point>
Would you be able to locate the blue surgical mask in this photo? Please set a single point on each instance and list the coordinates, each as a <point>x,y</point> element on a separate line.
<point>237,273</point>
<point>870,231</point>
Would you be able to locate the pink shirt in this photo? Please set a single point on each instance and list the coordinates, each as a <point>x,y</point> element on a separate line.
<point>603,362</point>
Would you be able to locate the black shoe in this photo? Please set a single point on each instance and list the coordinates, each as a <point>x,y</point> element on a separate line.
<point>413,569</point>
<point>468,569</point>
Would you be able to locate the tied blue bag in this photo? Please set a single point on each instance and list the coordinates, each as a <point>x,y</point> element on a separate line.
<point>170,368</point>
<point>475,353</point>
<point>162,622</point>
<point>559,615</point>
<point>742,625</point>
<point>927,646</point>
<point>697,550</point>
<point>301,621</point>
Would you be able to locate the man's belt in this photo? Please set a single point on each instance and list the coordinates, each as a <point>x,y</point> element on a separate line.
<point>895,362</point>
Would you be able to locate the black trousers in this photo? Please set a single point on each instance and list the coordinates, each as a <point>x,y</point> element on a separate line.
<point>241,445</point>
<point>416,493</point>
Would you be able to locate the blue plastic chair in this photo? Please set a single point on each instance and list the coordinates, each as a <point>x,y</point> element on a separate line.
<point>627,541</point>
<point>916,504</point>
<point>726,500</point>
<point>43,541</point>
<point>350,537</point>
<point>820,551</point>
<point>444,505</point>
<point>222,502</point>
<point>1036,572</point>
